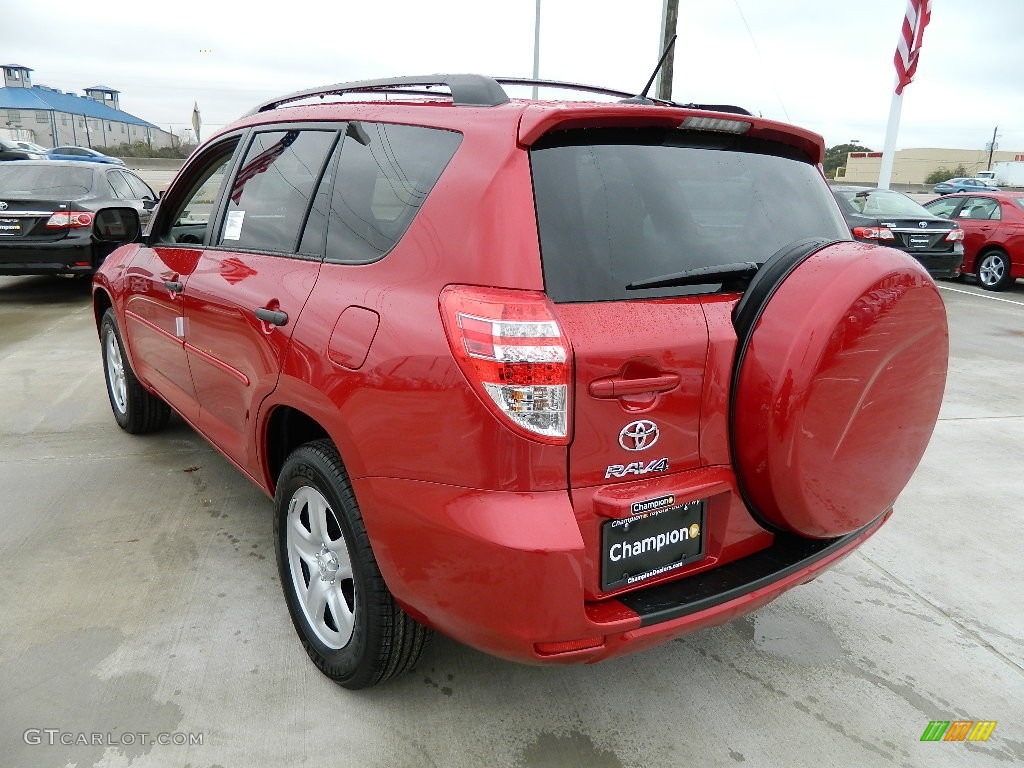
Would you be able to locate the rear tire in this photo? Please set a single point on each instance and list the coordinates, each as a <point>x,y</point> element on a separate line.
<point>135,410</point>
<point>348,622</point>
<point>994,270</point>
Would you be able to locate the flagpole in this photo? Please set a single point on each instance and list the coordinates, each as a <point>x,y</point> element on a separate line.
<point>892,129</point>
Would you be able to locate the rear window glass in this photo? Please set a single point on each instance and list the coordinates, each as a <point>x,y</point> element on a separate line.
<point>882,202</point>
<point>36,181</point>
<point>944,206</point>
<point>614,207</point>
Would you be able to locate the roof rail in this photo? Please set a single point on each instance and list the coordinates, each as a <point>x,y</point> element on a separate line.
<point>568,86</point>
<point>613,92</point>
<point>466,90</point>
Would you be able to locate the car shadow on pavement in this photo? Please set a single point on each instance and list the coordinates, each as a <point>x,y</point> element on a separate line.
<point>44,290</point>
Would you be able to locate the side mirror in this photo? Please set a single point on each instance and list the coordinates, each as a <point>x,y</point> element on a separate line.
<point>117,225</point>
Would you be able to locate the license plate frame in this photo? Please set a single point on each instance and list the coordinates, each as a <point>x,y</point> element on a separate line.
<point>631,551</point>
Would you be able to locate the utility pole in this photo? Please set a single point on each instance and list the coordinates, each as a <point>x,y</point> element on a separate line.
<point>536,48</point>
<point>992,148</point>
<point>669,21</point>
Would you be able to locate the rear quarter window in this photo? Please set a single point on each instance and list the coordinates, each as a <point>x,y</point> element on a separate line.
<point>384,175</point>
<point>614,207</point>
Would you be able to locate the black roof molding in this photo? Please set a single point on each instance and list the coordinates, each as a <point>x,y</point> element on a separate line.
<point>466,90</point>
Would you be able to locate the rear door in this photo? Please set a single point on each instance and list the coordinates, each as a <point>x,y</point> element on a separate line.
<point>978,217</point>
<point>251,283</point>
<point>616,208</point>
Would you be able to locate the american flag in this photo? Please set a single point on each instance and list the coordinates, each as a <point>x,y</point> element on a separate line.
<point>260,163</point>
<point>909,46</point>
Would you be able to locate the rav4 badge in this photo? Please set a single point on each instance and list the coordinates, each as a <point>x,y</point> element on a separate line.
<point>636,468</point>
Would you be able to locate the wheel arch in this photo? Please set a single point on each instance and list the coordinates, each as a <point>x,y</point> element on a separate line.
<point>286,429</point>
<point>988,248</point>
<point>101,302</point>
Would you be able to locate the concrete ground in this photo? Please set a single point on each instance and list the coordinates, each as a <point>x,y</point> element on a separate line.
<point>140,598</point>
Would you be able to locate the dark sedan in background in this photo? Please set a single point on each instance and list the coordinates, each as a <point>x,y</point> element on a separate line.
<point>49,210</point>
<point>886,217</point>
<point>82,153</point>
<point>993,223</point>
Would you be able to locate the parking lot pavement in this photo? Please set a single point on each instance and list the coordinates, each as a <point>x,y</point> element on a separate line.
<point>140,598</point>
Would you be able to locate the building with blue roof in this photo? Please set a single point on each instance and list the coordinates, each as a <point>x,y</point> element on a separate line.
<point>53,118</point>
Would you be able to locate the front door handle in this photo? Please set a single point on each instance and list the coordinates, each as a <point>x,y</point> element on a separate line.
<point>272,316</point>
<point>174,286</point>
<point>618,387</point>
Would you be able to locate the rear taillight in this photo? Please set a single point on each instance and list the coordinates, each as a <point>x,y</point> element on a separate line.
<point>510,348</point>
<point>69,220</point>
<point>874,233</point>
<point>955,235</point>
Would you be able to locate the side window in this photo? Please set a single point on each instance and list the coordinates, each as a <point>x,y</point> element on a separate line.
<point>272,189</point>
<point>186,215</point>
<point>140,189</point>
<point>384,175</point>
<point>120,186</point>
<point>980,208</point>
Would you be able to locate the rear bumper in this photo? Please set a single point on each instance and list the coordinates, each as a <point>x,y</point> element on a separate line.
<point>64,257</point>
<point>941,265</point>
<point>504,572</point>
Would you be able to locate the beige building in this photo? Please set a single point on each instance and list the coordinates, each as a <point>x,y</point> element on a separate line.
<point>912,166</point>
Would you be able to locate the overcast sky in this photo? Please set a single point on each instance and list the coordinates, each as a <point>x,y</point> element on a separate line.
<point>822,64</point>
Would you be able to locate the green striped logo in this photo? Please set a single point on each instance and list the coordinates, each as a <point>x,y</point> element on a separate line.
<point>958,730</point>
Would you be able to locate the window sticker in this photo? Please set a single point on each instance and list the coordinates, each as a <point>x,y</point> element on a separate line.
<point>233,226</point>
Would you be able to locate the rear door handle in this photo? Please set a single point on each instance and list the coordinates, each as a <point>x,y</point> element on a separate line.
<point>174,286</point>
<point>272,316</point>
<point>616,387</point>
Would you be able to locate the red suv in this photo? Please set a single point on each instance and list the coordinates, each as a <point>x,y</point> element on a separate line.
<point>561,380</point>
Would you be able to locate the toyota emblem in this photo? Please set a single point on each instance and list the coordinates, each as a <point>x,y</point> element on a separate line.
<point>638,435</point>
<point>923,224</point>
<point>3,205</point>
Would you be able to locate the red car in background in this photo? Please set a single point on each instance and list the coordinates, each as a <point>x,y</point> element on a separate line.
<point>993,224</point>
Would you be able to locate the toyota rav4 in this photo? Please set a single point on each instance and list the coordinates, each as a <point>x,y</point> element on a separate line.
<point>559,379</point>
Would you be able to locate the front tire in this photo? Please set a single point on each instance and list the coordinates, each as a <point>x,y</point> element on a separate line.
<point>994,271</point>
<point>341,608</point>
<point>135,410</point>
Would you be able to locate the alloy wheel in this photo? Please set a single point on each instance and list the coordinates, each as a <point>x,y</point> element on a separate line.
<point>321,567</point>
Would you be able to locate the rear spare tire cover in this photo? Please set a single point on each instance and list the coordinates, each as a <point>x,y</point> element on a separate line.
<point>839,375</point>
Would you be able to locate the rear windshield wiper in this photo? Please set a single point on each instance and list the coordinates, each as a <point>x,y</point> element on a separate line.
<point>720,273</point>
